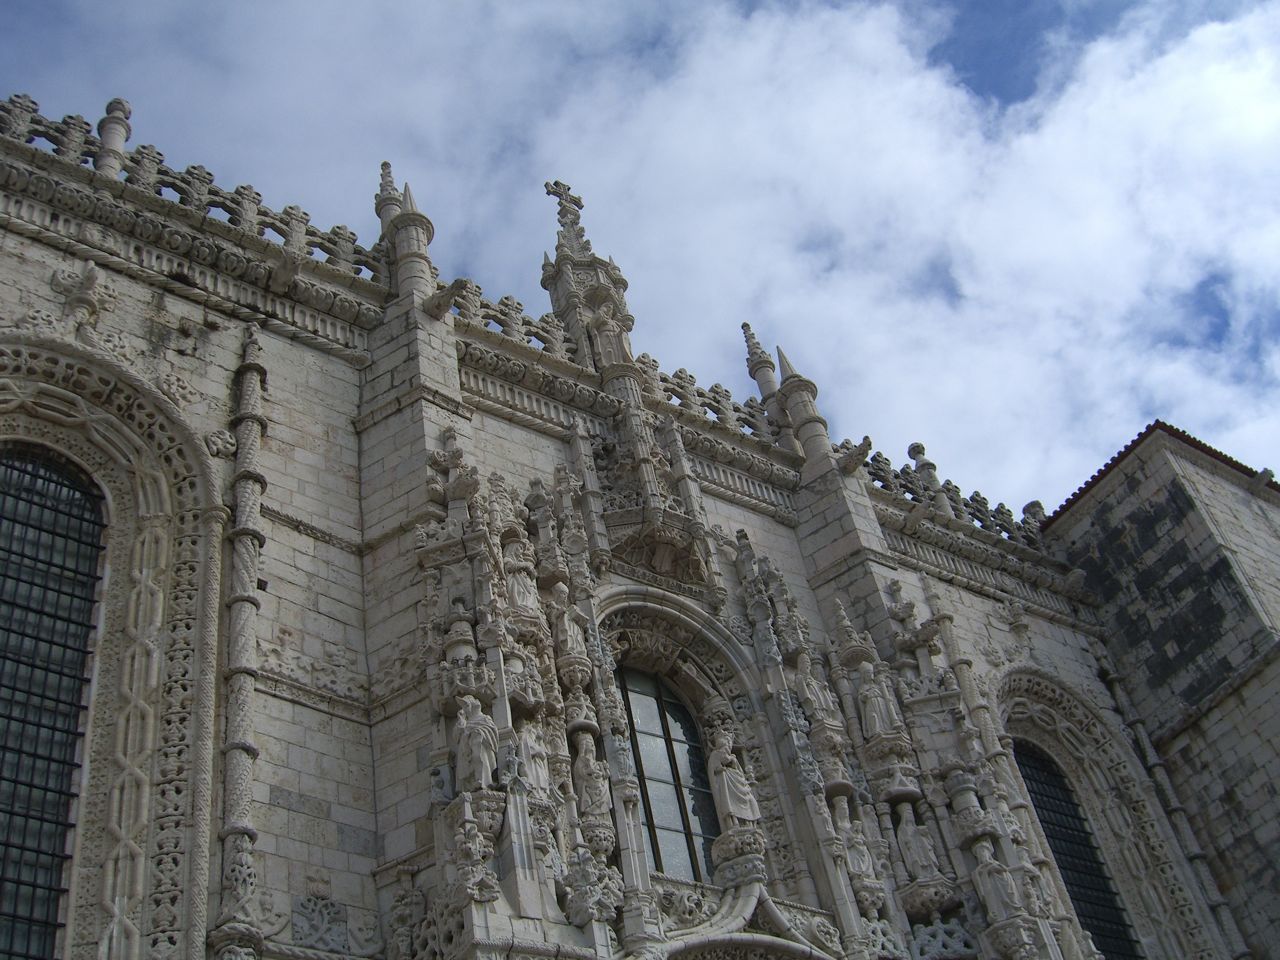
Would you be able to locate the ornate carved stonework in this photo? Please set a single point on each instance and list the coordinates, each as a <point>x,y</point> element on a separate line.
<point>359,629</point>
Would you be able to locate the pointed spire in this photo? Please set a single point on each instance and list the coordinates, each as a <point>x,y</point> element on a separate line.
<point>409,205</point>
<point>799,398</point>
<point>788,371</point>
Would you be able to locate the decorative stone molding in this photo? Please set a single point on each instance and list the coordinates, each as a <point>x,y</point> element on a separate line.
<point>141,872</point>
<point>1171,917</point>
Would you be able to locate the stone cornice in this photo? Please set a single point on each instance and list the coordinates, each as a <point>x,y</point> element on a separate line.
<point>982,559</point>
<point>193,256</point>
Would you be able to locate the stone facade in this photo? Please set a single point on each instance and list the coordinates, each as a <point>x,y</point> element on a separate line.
<point>378,546</point>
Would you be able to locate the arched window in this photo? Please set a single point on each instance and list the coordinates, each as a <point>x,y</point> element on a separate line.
<point>1065,827</point>
<point>50,540</point>
<point>676,804</point>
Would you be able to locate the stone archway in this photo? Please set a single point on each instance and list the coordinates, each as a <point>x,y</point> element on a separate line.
<point>708,666</point>
<point>1154,880</point>
<point>141,864</point>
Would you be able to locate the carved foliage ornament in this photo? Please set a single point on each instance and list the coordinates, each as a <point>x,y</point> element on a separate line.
<point>139,892</point>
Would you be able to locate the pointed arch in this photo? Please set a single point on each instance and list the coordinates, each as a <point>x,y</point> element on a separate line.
<point>1170,915</point>
<point>140,864</point>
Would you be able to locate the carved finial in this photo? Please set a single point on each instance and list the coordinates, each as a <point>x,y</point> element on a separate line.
<point>788,371</point>
<point>569,205</point>
<point>572,238</point>
<point>926,469</point>
<point>113,131</point>
<point>118,107</point>
<point>387,202</point>
<point>757,356</point>
<point>252,348</point>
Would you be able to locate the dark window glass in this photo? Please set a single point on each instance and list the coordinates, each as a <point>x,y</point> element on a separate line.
<point>50,539</point>
<point>1071,840</point>
<point>678,811</point>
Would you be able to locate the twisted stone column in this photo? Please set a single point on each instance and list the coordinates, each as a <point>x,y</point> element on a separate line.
<point>238,935</point>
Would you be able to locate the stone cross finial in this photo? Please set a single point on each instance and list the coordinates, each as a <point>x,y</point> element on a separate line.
<point>561,191</point>
<point>572,239</point>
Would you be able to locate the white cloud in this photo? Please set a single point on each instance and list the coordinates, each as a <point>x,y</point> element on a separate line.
<point>1010,287</point>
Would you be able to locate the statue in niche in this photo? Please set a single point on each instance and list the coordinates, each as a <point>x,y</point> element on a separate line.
<point>814,693</point>
<point>857,856</point>
<point>592,779</point>
<point>1033,889</point>
<point>916,847</point>
<point>575,638</point>
<point>734,798</point>
<point>517,562</point>
<point>609,336</point>
<point>477,746</point>
<point>534,748</point>
<point>995,883</point>
<point>879,711</point>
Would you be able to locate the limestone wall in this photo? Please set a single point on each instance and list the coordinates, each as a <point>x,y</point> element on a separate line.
<point>1183,554</point>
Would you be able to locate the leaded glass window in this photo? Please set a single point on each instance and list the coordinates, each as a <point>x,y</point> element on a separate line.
<point>1086,878</point>
<point>50,540</point>
<point>677,808</point>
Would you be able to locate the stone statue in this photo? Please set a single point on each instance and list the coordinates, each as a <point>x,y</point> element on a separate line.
<point>814,692</point>
<point>916,847</point>
<point>477,746</point>
<point>522,591</point>
<point>734,799</point>
<point>879,712</point>
<point>858,859</point>
<point>995,884</point>
<point>534,747</point>
<point>575,638</point>
<point>592,779</point>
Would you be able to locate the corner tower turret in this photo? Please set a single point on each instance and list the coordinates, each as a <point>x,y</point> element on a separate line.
<point>799,397</point>
<point>407,233</point>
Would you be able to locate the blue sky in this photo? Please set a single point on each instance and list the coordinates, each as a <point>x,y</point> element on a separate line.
<point>1016,230</point>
